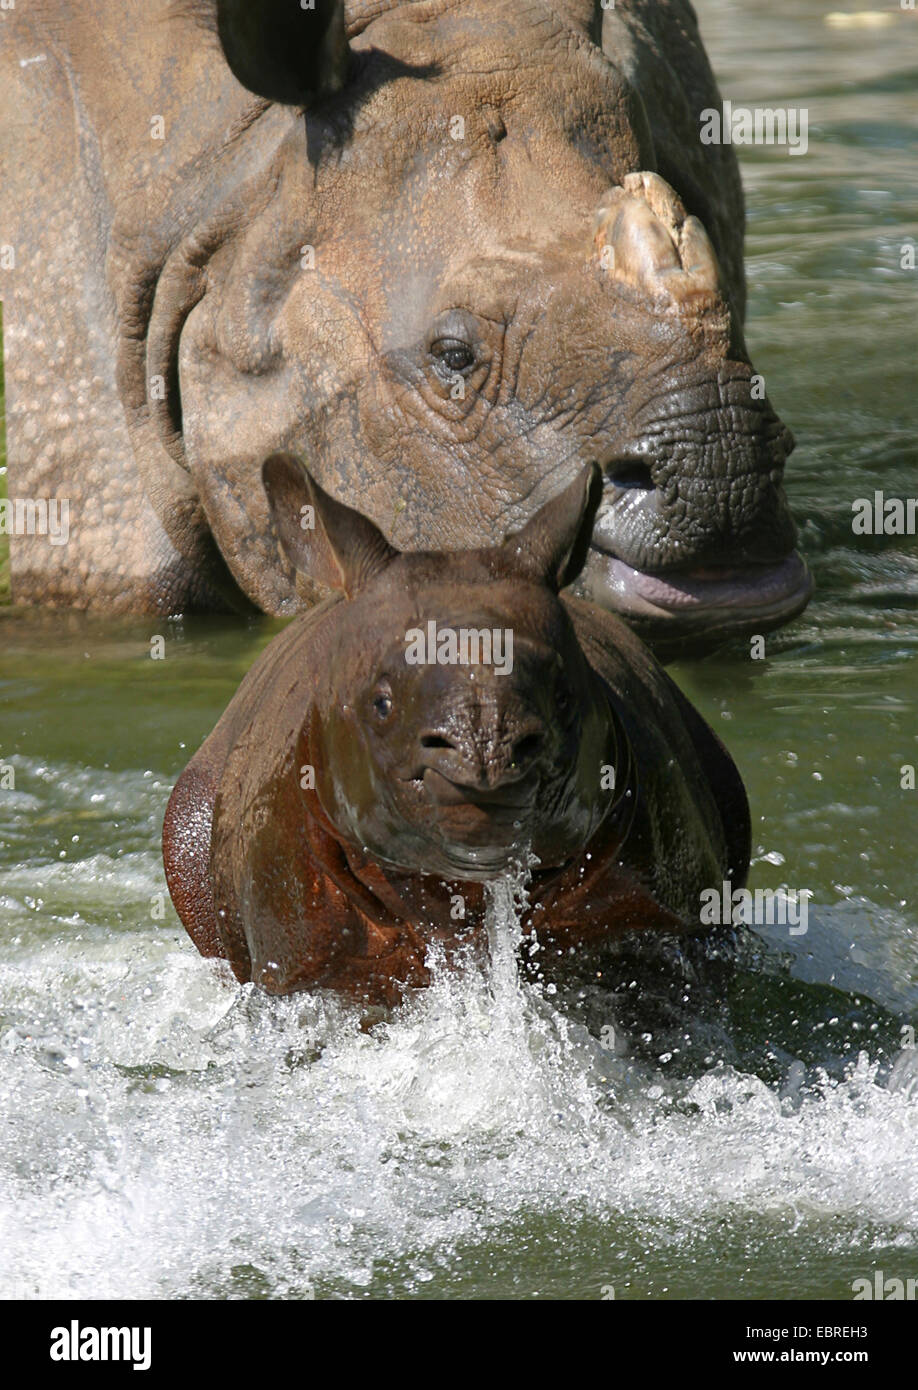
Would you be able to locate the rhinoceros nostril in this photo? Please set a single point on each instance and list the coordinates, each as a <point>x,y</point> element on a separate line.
<point>526,750</point>
<point>436,741</point>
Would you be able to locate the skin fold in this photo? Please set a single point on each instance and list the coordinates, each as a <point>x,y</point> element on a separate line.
<point>447,251</point>
<point>348,798</point>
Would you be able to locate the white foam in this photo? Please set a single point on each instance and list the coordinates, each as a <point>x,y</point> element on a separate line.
<point>164,1128</point>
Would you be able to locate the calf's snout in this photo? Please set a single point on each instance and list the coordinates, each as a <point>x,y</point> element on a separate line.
<point>482,754</point>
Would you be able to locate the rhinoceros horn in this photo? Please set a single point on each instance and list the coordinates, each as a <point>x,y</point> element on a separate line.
<point>283,51</point>
<point>655,245</point>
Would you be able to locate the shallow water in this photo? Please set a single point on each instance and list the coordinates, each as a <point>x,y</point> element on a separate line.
<point>167,1133</point>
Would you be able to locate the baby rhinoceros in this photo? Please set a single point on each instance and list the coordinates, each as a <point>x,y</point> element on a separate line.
<point>404,742</point>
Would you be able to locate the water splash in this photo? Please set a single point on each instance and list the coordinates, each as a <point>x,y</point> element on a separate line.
<point>168,1133</point>
<point>507,899</point>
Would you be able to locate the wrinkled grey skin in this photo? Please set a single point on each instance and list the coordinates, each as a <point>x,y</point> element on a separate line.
<point>571,267</point>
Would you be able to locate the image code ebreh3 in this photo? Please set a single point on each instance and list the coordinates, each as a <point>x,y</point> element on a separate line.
<point>458,637</point>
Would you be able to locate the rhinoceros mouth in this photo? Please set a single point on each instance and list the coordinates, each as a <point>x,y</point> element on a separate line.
<point>779,585</point>
<point>500,805</point>
<point>710,604</point>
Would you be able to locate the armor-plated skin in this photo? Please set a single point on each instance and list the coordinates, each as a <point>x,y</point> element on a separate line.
<point>322,833</point>
<point>446,251</point>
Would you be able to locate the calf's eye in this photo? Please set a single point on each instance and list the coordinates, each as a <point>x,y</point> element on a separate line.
<point>382,704</point>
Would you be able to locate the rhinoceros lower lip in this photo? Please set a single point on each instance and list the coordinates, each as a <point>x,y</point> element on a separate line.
<point>754,592</point>
<point>500,804</point>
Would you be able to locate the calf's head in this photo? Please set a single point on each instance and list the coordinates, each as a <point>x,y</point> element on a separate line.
<point>458,722</point>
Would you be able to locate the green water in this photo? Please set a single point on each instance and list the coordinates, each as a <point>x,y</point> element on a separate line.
<point>168,1134</point>
<point>4,542</point>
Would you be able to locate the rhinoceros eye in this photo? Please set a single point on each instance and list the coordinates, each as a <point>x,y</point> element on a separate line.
<point>453,354</point>
<point>382,702</point>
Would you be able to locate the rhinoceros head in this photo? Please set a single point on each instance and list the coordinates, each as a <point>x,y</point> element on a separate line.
<point>459,723</point>
<point>446,281</point>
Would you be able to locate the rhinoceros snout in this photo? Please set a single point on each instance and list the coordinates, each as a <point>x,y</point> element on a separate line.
<point>464,765</point>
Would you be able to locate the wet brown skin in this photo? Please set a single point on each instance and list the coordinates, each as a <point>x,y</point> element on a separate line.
<point>572,259</point>
<point>431,779</point>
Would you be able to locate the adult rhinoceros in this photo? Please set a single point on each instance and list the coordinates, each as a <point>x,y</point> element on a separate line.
<point>446,251</point>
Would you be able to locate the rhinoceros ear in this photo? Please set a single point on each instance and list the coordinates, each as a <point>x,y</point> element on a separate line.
<point>553,544</point>
<point>335,546</point>
<point>284,51</point>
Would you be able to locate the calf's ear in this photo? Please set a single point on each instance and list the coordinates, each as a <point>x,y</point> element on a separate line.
<point>552,546</point>
<point>329,542</point>
<point>283,51</point>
